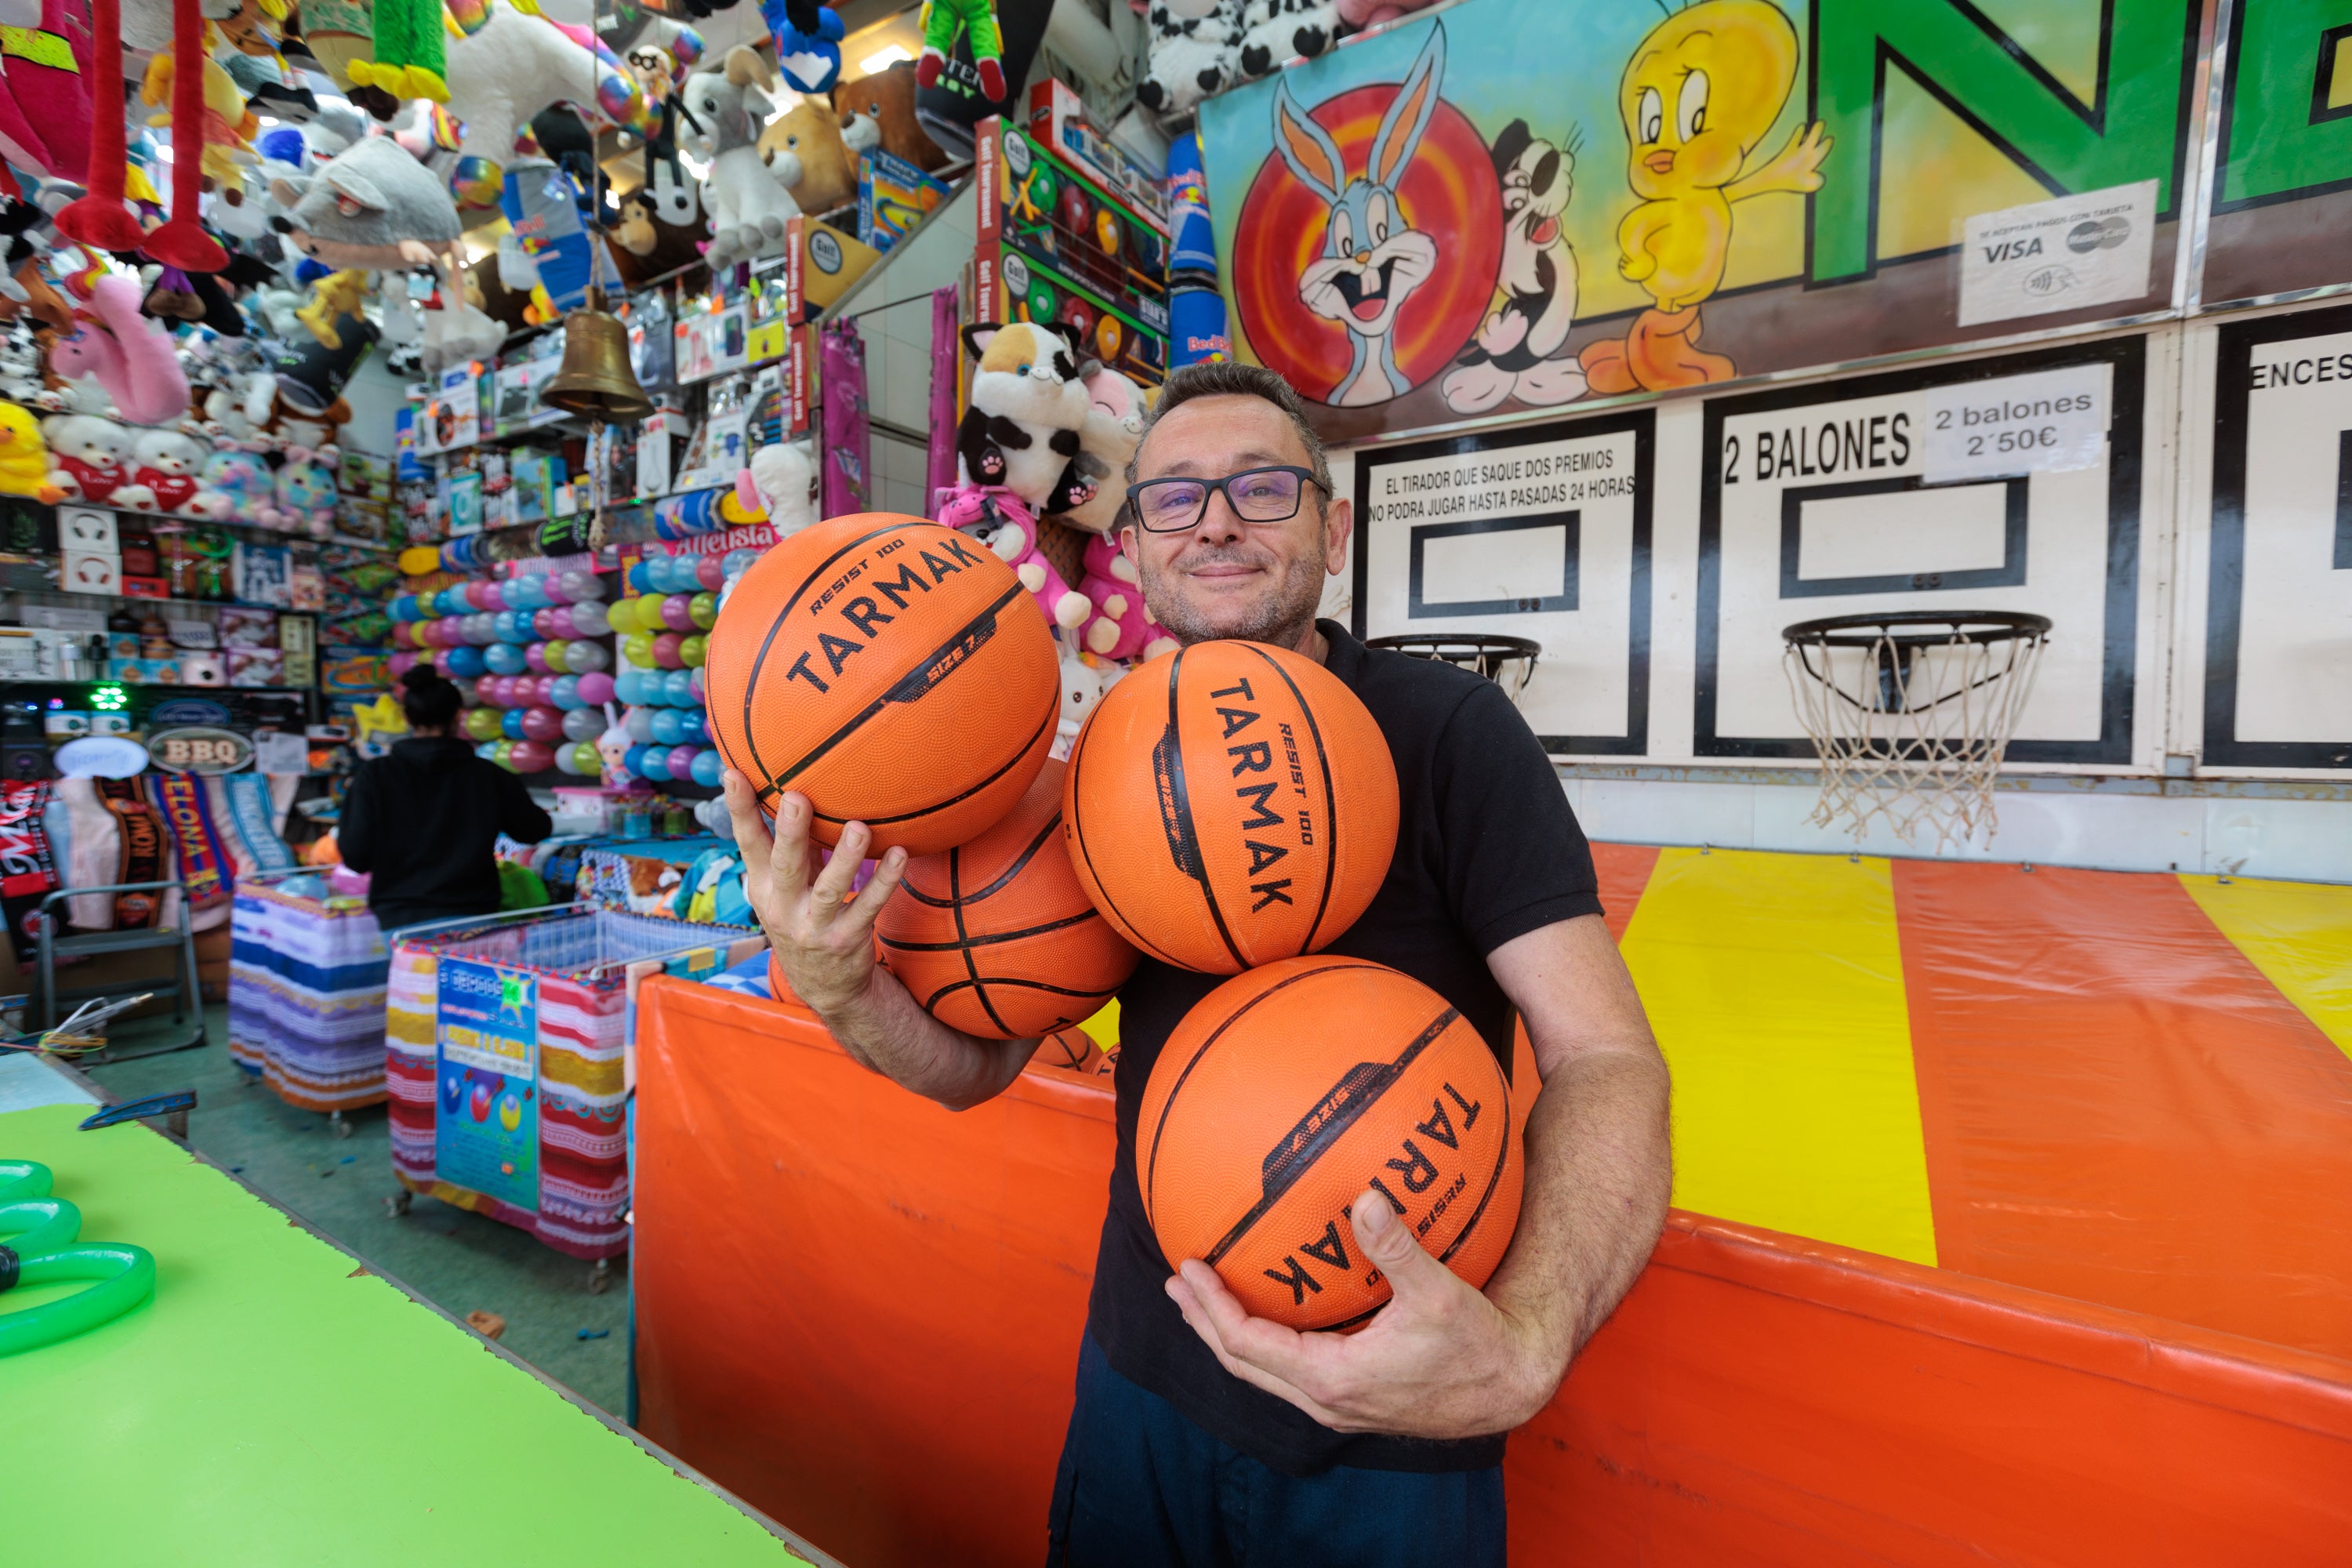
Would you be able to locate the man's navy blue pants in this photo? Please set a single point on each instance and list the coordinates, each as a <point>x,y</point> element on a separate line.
<point>1141,1486</point>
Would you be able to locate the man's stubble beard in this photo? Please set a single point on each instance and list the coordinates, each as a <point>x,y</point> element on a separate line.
<point>1283,619</point>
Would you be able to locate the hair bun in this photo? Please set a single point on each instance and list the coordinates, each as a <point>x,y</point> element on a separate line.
<point>421,677</point>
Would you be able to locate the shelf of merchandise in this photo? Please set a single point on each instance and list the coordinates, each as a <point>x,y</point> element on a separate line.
<point>143,599</point>
<point>279,535</point>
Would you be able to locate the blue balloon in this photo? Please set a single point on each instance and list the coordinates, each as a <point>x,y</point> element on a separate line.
<point>526,593</point>
<point>678,689</point>
<point>488,751</point>
<point>693,729</point>
<point>654,767</point>
<point>641,575</point>
<point>666,726</point>
<point>504,658</point>
<point>629,687</point>
<point>735,562</point>
<point>403,607</point>
<point>466,661</point>
<point>511,722</point>
<point>707,769</point>
<point>565,693</point>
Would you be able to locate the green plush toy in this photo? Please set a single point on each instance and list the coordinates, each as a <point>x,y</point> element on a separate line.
<point>411,61</point>
<point>942,19</point>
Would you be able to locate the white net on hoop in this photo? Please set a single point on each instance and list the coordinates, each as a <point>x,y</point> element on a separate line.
<point>1911,716</point>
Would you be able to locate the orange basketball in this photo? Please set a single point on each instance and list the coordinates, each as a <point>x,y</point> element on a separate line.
<point>1231,804</point>
<point>890,670</point>
<point>1288,1091</point>
<point>995,937</point>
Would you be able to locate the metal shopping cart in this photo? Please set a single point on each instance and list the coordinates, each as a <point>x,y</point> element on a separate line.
<point>505,1043</point>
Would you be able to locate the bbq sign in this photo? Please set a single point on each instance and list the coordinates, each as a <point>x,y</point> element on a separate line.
<point>200,749</point>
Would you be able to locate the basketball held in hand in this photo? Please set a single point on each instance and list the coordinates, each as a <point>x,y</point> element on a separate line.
<point>1290,1091</point>
<point>891,670</point>
<point>1229,804</point>
<point>995,937</point>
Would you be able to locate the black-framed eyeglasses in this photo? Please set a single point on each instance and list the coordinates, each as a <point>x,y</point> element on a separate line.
<point>1257,495</point>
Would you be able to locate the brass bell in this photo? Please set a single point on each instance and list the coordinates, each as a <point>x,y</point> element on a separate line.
<point>597,380</point>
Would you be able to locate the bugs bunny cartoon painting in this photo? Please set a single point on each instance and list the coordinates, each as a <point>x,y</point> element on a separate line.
<point>1372,257</point>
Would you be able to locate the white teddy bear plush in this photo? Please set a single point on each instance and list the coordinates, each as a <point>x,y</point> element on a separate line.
<point>783,478</point>
<point>744,195</point>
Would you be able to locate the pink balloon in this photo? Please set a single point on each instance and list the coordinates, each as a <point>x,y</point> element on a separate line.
<point>542,623</point>
<point>709,574</point>
<point>542,724</point>
<point>494,597</point>
<point>678,612</point>
<point>535,655</point>
<point>531,757</point>
<point>441,660</point>
<point>553,584</point>
<point>695,682</point>
<point>529,690</point>
<point>402,663</point>
<point>403,634</point>
<point>666,651</point>
<point>478,595</point>
<point>596,688</point>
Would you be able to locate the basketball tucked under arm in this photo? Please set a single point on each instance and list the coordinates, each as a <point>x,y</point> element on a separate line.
<point>820,949</point>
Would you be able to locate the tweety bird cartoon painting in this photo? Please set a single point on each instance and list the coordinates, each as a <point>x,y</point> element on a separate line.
<point>1698,95</point>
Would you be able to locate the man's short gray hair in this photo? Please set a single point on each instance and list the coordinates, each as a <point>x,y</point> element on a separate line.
<point>1228,378</point>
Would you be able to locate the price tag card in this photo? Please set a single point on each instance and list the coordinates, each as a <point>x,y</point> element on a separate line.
<point>2051,422</point>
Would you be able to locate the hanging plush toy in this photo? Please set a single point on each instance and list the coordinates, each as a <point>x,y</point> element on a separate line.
<point>128,355</point>
<point>509,63</point>
<point>406,59</point>
<point>660,73</point>
<point>226,128</point>
<point>941,21</point>
<point>100,219</point>
<point>781,482</point>
<point>744,194</point>
<point>336,294</point>
<point>45,100</point>
<point>808,42</point>
<point>372,206</point>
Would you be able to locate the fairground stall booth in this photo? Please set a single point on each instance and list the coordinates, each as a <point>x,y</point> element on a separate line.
<point>1890,456</point>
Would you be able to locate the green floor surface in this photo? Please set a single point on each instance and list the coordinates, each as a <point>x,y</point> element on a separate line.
<point>275,1405</point>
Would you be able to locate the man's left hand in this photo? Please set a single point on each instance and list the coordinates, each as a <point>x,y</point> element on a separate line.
<point>1439,1361</point>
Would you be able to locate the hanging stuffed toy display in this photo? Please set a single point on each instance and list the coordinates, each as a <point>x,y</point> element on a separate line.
<point>509,63</point>
<point>745,196</point>
<point>180,241</point>
<point>44,103</point>
<point>808,42</point>
<point>130,355</point>
<point>224,130</point>
<point>98,218</point>
<point>660,71</point>
<point>370,205</point>
<point>976,19</point>
<point>407,58</point>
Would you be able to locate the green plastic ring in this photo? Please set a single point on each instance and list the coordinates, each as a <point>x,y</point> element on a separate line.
<point>23,1179</point>
<point>41,1225</point>
<point>124,1276</point>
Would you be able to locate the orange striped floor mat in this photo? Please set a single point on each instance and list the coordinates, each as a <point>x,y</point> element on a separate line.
<point>2126,1089</point>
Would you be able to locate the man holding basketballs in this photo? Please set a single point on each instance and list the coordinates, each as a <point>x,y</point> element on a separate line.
<point>1201,1434</point>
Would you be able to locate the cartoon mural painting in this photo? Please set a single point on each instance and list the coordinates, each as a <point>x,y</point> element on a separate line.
<point>1374,257</point>
<point>1698,96</point>
<point>1796,174</point>
<point>1512,355</point>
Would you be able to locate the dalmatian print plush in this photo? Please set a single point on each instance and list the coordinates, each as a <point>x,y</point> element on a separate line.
<point>1196,54</point>
<point>1278,31</point>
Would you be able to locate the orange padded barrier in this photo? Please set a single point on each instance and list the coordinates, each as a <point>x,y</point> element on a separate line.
<point>2120,1107</point>
<point>861,1312</point>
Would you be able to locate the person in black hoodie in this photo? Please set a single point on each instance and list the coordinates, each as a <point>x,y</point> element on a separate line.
<point>425,820</point>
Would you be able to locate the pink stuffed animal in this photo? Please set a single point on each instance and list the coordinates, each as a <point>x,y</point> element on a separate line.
<point>1001,520</point>
<point>130,355</point>
<point>1361,14</point>
<point>1122,627</point>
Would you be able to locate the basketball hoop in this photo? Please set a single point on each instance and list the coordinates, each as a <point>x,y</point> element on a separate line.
<point>1912,711</point>
<point>1491,655</point>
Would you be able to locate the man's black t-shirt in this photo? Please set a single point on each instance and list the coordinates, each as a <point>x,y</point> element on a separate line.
<point>1488,850</point>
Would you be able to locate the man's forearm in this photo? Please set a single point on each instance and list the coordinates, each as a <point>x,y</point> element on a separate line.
<point>882,1029</point>
<point>1600,1168</point>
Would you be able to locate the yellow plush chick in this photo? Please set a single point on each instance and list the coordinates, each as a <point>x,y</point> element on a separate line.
<point>24,457</point>
<point>336,294</point>
<point>1698,97</point>
<point>229,126</point>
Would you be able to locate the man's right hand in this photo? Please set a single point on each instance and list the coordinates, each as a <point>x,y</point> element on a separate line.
<point>823,937</point>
